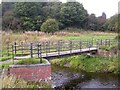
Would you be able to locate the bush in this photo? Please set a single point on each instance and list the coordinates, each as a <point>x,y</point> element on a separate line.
<point>117,37</point>
<point>50,26</point>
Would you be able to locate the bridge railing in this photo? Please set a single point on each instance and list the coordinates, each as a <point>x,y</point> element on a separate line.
<point>47,47</point>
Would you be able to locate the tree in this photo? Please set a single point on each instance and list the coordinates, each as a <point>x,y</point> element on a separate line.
<point>30,14</point>
<point>27,9</point>
<point>92,22</point>
<point>112,23</point>
<point>50,26</point>
<point>72,13</point>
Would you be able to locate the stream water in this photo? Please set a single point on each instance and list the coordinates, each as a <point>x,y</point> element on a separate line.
<point>64,77</point>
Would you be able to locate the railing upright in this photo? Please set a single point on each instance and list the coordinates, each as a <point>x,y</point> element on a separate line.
<point>31,50</point>
<point>40,53</point>
<point>13,53</point>
<point>22,47</point>
<point>70,47</point>
<point>58,47</point>
<point>46,47</point>
<point>49,46</point>
<point>8,49</point>
<point>15,47</point>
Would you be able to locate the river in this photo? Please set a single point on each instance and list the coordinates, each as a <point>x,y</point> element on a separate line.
<point>64,77</point>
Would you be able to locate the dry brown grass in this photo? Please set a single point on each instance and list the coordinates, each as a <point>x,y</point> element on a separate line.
<point>67,34</point>
<point>35,36</point>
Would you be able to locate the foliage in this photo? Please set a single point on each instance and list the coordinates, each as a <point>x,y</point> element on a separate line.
<point>72,13</point>
<point>89,64</point>
<point>29,61</point>
<point>117,37</point>
<point>24,62</point>
<point>6,58</point>
<point>112,23</point>
<point>50,25</point>
<point>29,16</point>
<point>12,82</point>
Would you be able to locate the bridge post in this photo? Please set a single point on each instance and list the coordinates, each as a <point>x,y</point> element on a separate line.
<point>8,49</point>
<point>58,49</point>
<point>49,46</point>
<point>70,46</point>
<point>40,53</point>
<point>13,53</point>
<point>22,47</point>
<point>38,46</point>
<point>15,47</point>
<point>46,47</point>
<point>31,50</point>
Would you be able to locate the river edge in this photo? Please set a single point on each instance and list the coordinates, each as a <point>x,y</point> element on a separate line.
<point>89,64</point>
<point>85,79</point>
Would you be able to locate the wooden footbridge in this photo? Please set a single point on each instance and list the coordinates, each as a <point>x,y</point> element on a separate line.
<point>51,49</point>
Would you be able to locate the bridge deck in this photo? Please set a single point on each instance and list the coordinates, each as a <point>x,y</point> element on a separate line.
<point>61,53</point>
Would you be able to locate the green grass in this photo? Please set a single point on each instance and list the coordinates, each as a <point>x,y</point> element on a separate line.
<point>86,37</point>
<point>12,82</point>
<point>6,58</point>
<point>89,64</point>
<point>30,61</point>
<point>24,62</point>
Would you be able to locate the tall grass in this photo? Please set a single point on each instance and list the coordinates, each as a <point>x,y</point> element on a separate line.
<point>13,82</point>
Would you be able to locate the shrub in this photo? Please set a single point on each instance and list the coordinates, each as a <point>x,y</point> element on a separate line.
<point>117,37</point>
<point>50,26</point>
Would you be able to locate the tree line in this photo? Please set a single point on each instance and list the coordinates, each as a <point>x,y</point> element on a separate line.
<point>40,16</point>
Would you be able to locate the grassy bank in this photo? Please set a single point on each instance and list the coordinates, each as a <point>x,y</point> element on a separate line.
<point>24,62</point>
<point>89,64</point>
<point>12,82</point>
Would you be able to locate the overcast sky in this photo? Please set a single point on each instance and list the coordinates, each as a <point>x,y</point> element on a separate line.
<point>110,7</point>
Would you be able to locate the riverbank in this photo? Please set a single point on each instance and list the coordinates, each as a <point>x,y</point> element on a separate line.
<point>89,63</point>
<point>69,78</point>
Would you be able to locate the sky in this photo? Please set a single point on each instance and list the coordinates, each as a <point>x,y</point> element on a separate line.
<point>110,7</point>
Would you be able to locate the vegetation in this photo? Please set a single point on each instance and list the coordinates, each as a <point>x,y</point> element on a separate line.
<point>112,23</point>
<point>50,26</point>
<point>90,64</point>
<point>29,16</point>
<point>12,82</point>
<point>118,37</point>
<point>24,62</point>
<point>5,57</point>
<point>78,34</point>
